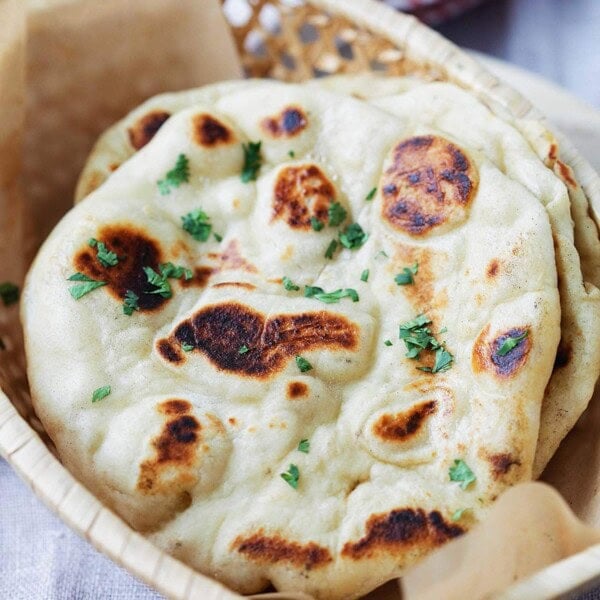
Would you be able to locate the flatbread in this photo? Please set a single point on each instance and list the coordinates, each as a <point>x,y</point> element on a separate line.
<point>444,105</point>
<point>208,404</point>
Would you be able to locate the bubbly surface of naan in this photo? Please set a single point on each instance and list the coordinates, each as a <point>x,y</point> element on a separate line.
<point>208,401</point>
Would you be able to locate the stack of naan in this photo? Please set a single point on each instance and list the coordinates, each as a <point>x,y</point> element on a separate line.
<point>305,334</point>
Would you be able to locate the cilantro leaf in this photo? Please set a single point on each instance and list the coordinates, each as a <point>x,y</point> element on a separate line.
<point>291,154</point>
<point>289,285</point>
<point>510,343</point>
<point>388,342</point>
<point>9,293</point>
<point>336,214</point>
<point>243,349</point>
<point>89,285</point>
<point>330,297</point>
<point>218,237</point>
<point>175,272</point>
<point>303,364</point>
<point>159,281</point>
<point>353,236</point>
<point>252,161</point>
<point>101,393</point>
<point>461,472</point>
<point>364,276</point>
<point>197,225</point>
<point>130,303</point>
<point>304,446</point>
<point>179,174</point>
<point>316,224</point>
<point>407,275</point>
<point>457,514</point>
<point>417,337</point>
<point>187,347</point>
<point>105,257</point>
<point>331,249</point>
<point>443,361</point>
<point>291,476</point>
<point>371,194</point>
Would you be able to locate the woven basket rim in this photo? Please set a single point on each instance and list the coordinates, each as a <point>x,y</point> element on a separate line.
<point>23,449</point>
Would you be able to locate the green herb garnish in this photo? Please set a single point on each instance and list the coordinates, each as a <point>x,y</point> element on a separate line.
<point>9,292</point>
<point>443,361</point>
<point>105,257</point>
<point>388,342</point>
<point>371,194</point>
<point>291,154</point>
<point>316,224</point>
<point>304,446</point>
<point>417,337</point>
<point>457,514</point>
<point>331,249</point>
<point>243,349</point>
<point>381,253</point>
<point>303,364</point>
<point>187,347</point>
<point>159,281</point>
<point>197,225</point>
<point>407,275</point>
<point>364,276</point>
<point>179,174</point>
<point>218,237</point>
<point>353,236</point>
<point>291,476</point>
<point>175,272</point>
<point>289,285</point>
<point>330,297</point>
<point>510,343</point>
<point>336,214</point>
<point>101,393</point>
<point>89,285</point>
<point>130,303</point>
<point>460,472</point>
<point>252,161</point>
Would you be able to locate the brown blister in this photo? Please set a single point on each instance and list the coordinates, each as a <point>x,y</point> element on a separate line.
<point>403,426</point>
<point>288,123</point>
<point>302,192</point>
<point>501,463</point>
<point>219,331</point>
<point>297,389</point>
<point>169,351</point>
<point>274,549</point>
<point>399,530</point>
<point>135,250</point>
<point>430,183</point>
<point>175,448</point>
<point>485,355</point>
<point>145,128</point>
<point>235,284</point>
<point>210,132</point>
<point>566,174</point>
<point>492,269</point>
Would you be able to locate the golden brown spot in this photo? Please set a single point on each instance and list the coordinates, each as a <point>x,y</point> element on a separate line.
<point>200,278</point>
<point>210,132</point>
<point>135,250</point>
<point>275,549</point>
<point>239,284</point>
<point>302,192</point>
<point>174,451</point>
<point>296,389</point>
<point>220,330</point>
<point>400,529</point>
<point>288,123</point>
<point>113,166</point>
<point>404,425</point>
<point>485,355</point>
<point>92,182</point>
<point>553,152</point>
<point>145,128</point>
<point>501,463</point>
<point>492,269</point>
<point>287,253</point>
<point>232,421</point>
<point>429,183</point>
<point>566,174</point>
<point>563,355</point>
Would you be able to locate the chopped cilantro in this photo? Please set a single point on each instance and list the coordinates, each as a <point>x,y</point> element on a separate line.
<point>101,393</point>
<point>388,342</point>
<point>105,257</point>
<point>218,237</point>
<point>457,514</point>
<point>417,337</point>
<point>330,297</point>
<point>303,364</point>
<point>371,194</point>
<point>130,303</point>
<point>381,253</point>
<point>9,293</point>
<point>187,347</point>
<point>289,285</point>
<point>291,154</point>
<point>252,161</point>
<point>443,361</point>
<point>89,285</point>
<point>353,236</point>
<point>316,224</point>
<point>461,472</point>
<point>170,270</point>
<point>407,275</point>
<point>197,225</point>
<point>159,281</point>
<point>179,174</point>
<point>336,214</point>
<point>304,446</point>
<point>331,249</point>
<point>510,343</point>
<point>243,349</point>
<point>364,276</point>
<point>291,476</point>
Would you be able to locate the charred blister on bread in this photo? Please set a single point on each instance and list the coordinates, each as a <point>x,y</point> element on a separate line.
<point>146,127</point>
<point>486,357</point>
<point>429,184</point>
<point>290,122</point>
<point>296,390</point>
<point>208,131</point>
<point>403,426</point>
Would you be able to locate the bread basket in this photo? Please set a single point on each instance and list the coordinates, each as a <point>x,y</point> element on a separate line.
<point>291,40</point>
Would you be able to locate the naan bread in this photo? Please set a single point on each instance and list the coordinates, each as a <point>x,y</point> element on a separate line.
<point>444,106</point>
<point>208,404</point>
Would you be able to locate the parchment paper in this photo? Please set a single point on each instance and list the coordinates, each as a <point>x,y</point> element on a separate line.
<point>89,63</point>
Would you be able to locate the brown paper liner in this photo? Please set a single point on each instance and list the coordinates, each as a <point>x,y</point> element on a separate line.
<point>89,63</point>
